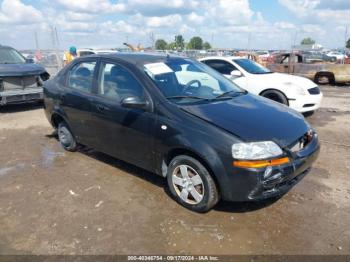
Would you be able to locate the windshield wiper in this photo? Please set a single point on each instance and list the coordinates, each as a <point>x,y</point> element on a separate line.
<point>190,97</point>
<point>226,94</point>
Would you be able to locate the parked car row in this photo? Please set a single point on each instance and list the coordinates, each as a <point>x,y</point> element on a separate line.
<point>311,56</point>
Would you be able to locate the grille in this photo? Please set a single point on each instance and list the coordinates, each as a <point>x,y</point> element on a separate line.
<point>19,82</point>
<point>314,91</point>
<point>21,98</point>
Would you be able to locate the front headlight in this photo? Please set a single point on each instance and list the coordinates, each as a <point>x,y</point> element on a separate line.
<point>301,91</point>
<point>256,150</point>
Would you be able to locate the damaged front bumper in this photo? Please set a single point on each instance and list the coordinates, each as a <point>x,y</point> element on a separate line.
<point>21,96</point>
<point>250,184</point>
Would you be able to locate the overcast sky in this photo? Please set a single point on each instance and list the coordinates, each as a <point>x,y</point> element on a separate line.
<point>259,24</point>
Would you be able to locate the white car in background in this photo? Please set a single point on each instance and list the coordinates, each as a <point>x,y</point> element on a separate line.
<point>88,51</point>
<point>263,55</point>
<point>298,93</point>
<point>337,55</point>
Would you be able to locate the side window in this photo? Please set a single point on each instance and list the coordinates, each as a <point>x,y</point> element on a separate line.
<point>116,82</point>
<point>222,67</point>
<point>285,60</point>
<point>81,76</point>
<point>85,53</point>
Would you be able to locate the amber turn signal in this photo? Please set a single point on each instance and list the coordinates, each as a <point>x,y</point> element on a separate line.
<point>261,163</point>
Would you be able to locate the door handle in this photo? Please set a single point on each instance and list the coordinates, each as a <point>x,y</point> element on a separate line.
<point>102,108</point>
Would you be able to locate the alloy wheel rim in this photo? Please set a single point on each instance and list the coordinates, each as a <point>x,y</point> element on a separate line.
<point>188,184</point>
<point>323,80</point>
<point>63,136</point>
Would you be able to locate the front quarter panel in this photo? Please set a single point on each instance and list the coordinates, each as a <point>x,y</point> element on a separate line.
<point>183,131</point>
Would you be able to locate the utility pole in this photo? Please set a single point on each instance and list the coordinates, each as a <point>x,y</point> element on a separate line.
<point>57,39</point>
<point>249,38</point>
<point>346,34</point>
<point>295,38</point>
<point>152,39</point>
<point>36,40</point>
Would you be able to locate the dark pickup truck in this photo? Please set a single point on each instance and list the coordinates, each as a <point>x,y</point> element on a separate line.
<point>20,79</point>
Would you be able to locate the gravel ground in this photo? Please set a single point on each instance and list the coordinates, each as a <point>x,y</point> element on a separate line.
<point>56,202</point>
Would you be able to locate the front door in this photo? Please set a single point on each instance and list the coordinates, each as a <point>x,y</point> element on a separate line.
<point>225,68</point>
<point>122,132</point>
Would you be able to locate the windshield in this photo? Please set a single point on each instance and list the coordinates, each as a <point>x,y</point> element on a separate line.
<point>11,56</point>
<point>251,66</point>
<point>187,81</point>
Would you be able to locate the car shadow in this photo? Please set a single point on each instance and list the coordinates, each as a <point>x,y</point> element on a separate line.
<point>15,108</point>
<point>244,207</point>
<point>124,166</point>
<point>222,206</point>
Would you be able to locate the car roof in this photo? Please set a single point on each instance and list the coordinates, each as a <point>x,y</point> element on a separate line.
<point>5,47</point>
<point>139,58</point>
<point>223,57</point>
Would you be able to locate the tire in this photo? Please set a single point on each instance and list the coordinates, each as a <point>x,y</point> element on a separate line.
<point>200,188</point>
<point>324,79</point>
<point>66,137</point>
<point>276,96</point>
<point>308,114</point>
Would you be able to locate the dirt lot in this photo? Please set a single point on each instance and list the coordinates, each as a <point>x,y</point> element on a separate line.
<point>55,202</point>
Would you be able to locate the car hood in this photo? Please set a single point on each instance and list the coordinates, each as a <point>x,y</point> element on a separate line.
<point>253,118</point>
<point>20,69</point>
<point>279,79</point>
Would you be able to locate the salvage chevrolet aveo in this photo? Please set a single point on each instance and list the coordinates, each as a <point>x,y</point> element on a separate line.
<point>210,140</point>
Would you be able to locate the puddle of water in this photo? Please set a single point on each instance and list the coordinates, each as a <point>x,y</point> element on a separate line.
<point>6,170</point>
<point>49,156</point>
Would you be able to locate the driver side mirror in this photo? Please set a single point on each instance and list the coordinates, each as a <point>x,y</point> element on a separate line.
<point>29,60</point>
<point>135,102</point>
<point>236,73</point>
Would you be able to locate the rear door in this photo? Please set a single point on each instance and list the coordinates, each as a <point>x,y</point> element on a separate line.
<point>122,132</point>
<point>75,99</point>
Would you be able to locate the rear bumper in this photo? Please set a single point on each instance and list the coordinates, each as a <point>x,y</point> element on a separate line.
<point>21,96</point>
<point>251,184</point>
<point>306,103</point>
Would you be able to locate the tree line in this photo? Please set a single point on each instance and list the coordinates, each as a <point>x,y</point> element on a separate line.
<point>195,43</point>
<point>310,41</point>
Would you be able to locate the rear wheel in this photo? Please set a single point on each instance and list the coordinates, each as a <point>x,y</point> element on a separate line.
<point>324,79</point>
<point>191,184</point>
<point>276,96</point>
<point>66,137</point>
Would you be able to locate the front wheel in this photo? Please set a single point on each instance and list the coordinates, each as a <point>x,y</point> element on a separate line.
<point>191,184</point>
<point>276,96</point>
<point>66,137</point>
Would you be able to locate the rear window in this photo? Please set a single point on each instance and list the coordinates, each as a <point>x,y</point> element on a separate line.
<point>11,56</point>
